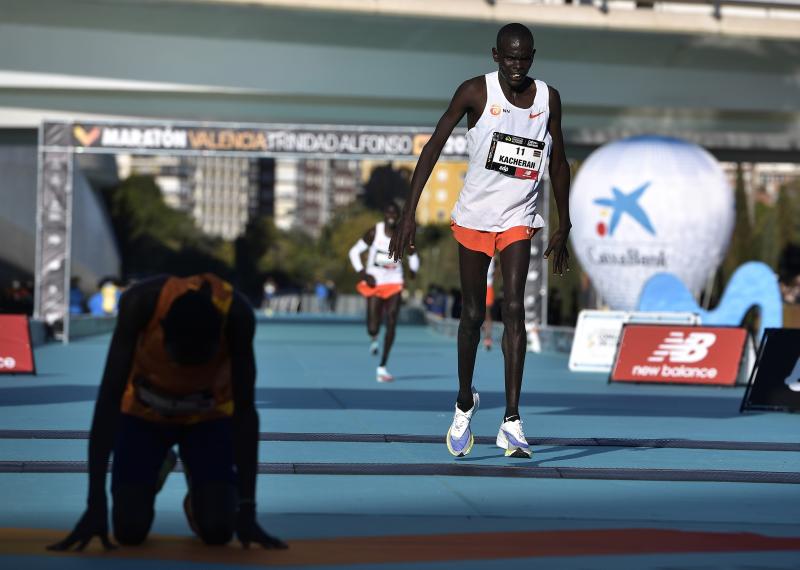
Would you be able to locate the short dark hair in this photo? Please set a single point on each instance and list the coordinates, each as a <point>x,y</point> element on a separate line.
<point>192,324</point>
<point>514,31</point>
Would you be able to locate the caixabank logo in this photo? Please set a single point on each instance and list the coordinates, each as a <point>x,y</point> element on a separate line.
<point>621,204</point>
<point>686,355</point>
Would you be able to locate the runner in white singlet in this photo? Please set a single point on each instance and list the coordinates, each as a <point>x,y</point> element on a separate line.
<point>381,283</point>
<point>514,133</point>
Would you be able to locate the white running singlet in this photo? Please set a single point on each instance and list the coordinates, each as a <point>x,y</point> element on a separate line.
<point>508,152</point>
<point>379,264</point>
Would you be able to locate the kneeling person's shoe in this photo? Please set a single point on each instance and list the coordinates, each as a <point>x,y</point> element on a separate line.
<point>511,438</point>
<point>459,436</point>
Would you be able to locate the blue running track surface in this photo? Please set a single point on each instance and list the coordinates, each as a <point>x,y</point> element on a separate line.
<point>356,473</point>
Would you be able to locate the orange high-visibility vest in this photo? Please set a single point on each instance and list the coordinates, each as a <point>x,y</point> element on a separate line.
<point>162,390</point>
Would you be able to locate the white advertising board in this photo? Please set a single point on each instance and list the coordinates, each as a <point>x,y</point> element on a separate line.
<point>597,333</point>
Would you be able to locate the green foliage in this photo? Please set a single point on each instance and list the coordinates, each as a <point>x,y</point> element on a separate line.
<point>774,231</point>
<point>155,238</point>
<point>438,252</point>
<point>741,248</point>
<point>386,184</point>
<point>291,258</point>
<point>788,214</point>
<point>349,224</point>
<point>766,245</point>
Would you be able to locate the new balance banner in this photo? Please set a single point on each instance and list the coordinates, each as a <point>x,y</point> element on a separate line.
<point>16,353</point>
<point>679,354</point>
<point>775,382</point>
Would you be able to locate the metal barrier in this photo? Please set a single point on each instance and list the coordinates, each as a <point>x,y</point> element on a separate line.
<point>551,338</point>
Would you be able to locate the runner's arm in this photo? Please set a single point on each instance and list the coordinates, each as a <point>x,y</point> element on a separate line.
<point>360,247</point>
<point>465,99</point>
<point>241,331</point>
<point>560,178</point>
<point>355,255</point>
<point>135,308</point>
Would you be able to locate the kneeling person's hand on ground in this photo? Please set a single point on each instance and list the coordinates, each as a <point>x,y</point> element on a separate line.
<point>94,522</point>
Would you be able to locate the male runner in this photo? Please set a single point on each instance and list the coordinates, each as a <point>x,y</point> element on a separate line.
<point>180,370</point>
<point>514,127</point>
<point>381,283</point>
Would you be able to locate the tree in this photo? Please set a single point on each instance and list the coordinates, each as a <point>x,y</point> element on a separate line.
<point>249,248</point>
<point>788,222</point>
<point>346,227</point>
<point>741,246</point>
<point>386,184</point>
<point>154,238</point>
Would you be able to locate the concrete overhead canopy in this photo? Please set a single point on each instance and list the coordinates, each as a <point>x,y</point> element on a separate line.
<point>262,61</point>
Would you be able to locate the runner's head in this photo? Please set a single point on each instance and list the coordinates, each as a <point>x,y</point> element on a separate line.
<point>391,213</point>
<point>192,329</point>
<point>514,53</point>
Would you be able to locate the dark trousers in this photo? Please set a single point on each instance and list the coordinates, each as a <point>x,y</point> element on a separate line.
<point>206,450</point>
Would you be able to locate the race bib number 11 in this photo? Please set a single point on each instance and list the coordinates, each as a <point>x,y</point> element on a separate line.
<point>516,157</point>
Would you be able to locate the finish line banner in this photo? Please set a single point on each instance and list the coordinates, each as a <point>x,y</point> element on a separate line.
<point>268,140</point>
<point>666,354</point>
<point>16,352</point>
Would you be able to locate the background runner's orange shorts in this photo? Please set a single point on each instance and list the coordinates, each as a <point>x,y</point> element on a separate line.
<point>488,242</point>
<point>382,291</point>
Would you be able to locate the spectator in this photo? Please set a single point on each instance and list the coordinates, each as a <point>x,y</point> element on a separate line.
<point>270,289</point>
<point>77,299</point>
<point>321,293</point>
<point>331,295</point>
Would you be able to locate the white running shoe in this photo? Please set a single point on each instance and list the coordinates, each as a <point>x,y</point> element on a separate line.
<point>374,347</point>
<point>511,438</point>
<point>459,436</point>
<point>382,375</point>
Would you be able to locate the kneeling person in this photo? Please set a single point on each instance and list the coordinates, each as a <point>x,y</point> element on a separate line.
<point>180,371</point>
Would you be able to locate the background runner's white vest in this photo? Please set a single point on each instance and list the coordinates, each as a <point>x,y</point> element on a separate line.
<point>379,264</point>
<point>501,189</point>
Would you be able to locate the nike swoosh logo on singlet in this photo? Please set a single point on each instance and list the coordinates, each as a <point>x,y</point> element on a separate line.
<point>532,116</point>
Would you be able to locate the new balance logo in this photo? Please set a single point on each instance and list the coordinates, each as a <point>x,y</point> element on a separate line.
<point>793,379</point>
<point>7,363</point>
<point>677,348</point>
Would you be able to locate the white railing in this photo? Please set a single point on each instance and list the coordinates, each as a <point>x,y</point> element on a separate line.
<point>717,8</point>
<point>308,303</point>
